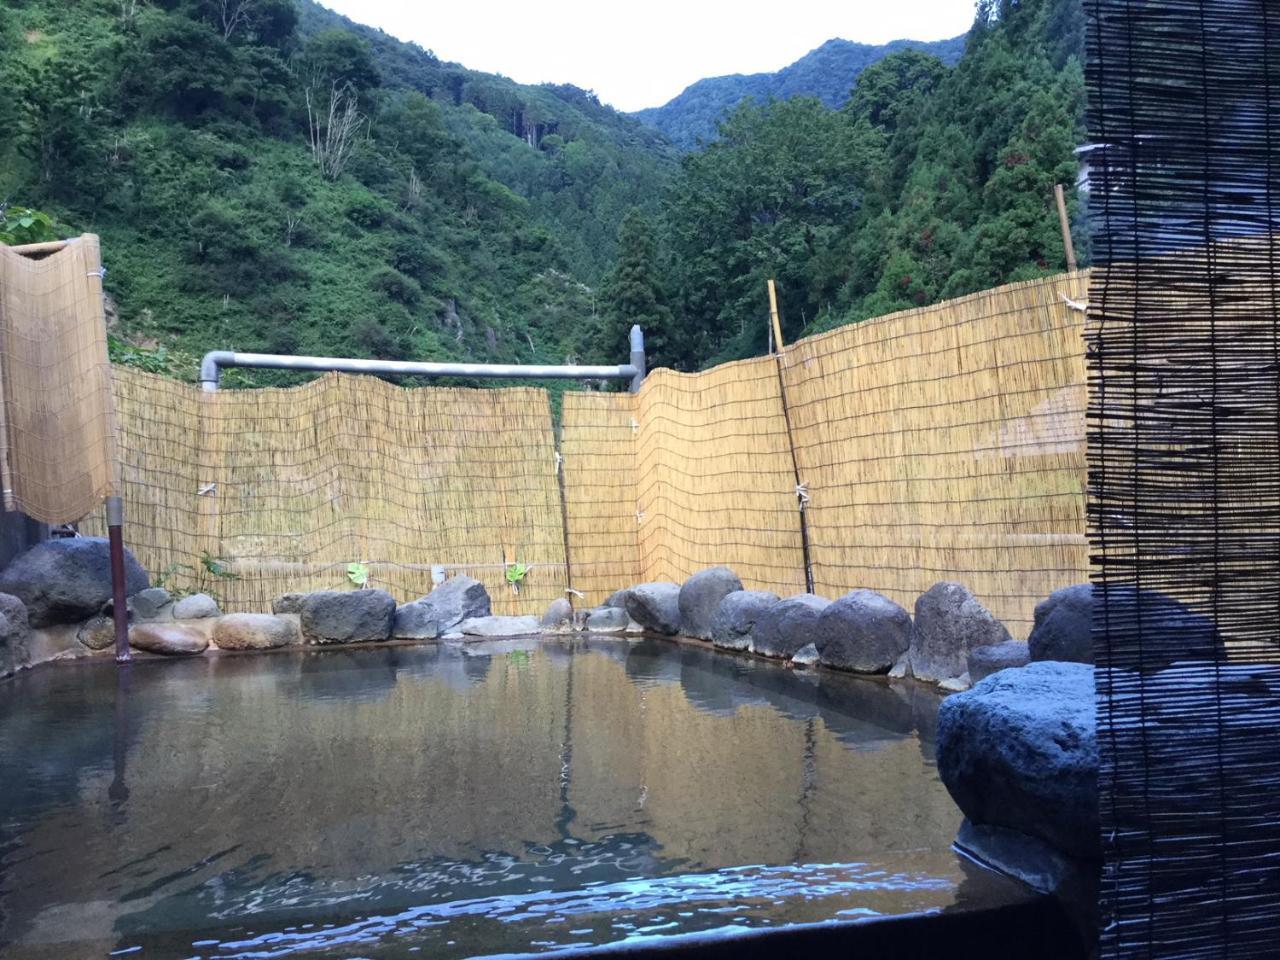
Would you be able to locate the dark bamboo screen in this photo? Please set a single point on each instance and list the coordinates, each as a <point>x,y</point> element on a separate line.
<point>1184,424</point>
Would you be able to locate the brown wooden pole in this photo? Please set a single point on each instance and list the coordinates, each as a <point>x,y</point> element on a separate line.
<point>1064,221</point>
<point>119,601</point>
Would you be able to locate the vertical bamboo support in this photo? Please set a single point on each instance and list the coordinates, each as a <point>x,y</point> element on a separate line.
<point>1065,222</point>
<point>774,320</point>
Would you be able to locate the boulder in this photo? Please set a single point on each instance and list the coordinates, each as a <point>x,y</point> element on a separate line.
<point>700,598</point>
<point>1020,751</point>
<point>984,661</point>
<point>616,599</point>
<point>457,599</point>
<point>99,633</point>
<point>1063,628</point>
<point>655,606</point>
<point>198,606</point>
<point>254,631</point>
<point>170,639</point>
<point>347,616</point>
<point>559,616</point>
<point>15,635</point>
<point>152,603</point>
<point>788,625</point>
<point>806,656</point>
<point>288,603</point>
<point>863,631</point>
<point>736,618</point>
<point>498,627</point>
<point>606,620</point>
<point>67,580</point>
<point>949,622</point>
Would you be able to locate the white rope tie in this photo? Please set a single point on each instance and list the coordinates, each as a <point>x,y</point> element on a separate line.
<point>100,273</point>
<point>559,461</point>
<point>1075,305</point>
<point>639,517</point>
<point>802,494</point>
<point>576,593</point>
<point>635,425</point>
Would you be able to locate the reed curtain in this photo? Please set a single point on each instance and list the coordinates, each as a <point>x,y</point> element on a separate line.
<point>1184,456</point>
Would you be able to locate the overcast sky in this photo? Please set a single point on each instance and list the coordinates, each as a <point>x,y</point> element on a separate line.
<point>642,53</point>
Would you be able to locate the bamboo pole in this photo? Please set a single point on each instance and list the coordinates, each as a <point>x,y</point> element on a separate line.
<point>1065,223</point>
<point>31,249</point>
<point>773,317</point>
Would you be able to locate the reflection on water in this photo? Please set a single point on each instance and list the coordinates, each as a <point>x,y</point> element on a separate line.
<point>459,800</point>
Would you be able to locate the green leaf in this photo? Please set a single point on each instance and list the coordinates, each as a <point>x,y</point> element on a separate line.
<point>358,574</point>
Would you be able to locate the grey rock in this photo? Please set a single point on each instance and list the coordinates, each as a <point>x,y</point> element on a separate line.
<point>616,599</point>
<point>151,603</point>
<point>198,606</point>
<point>863,631</point>
<point>457,599</point>
<point>1020,751</point>
<point>347,616</point>
<point>788,625</point>
<point>606,620</point>
<point>736,617</point>
<point>254,631</point>
<point>955,684</point>
<point>806,656</point>
<point>288,603</point>
<point>1063,628</point>
<point>984,661</point>
<point>559,616</point>
<point>655,606</point>
<point>949,622</point>
<point>902,668</point>
<point>499,627</point>
<point>67,580</point>
<point>15,635</point>
<point>98,633</point>
<point>700,597</point>
<point>170,639</point>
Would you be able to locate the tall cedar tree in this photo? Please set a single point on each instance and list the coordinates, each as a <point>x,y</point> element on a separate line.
<point>633,294</point>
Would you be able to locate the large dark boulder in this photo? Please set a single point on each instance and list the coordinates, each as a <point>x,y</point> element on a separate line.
<point>1020,751</point>
<point>15,632</point>
<point>606,620</point>
<point>347,616</point>
<point>1171,631</point>
<point>949,622</point>
<point>788,626</point>
<point>984,661</point>
<point>457,599</point>
<point>655,606</point>
<point>67,580</point>
<point>700,598</point>
<point>863,631</point>
<point>559,616</point>
<point>737,615</point>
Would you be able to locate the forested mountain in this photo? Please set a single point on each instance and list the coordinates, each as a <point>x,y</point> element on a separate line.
<point>827,73</point>
<point>269,176</point>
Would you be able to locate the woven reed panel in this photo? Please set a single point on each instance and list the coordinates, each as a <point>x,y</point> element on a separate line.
<point>715,478</point>
<point>58,457</point>
<point>947,443</point>
<point>598,442</point>
<point>287,486</point>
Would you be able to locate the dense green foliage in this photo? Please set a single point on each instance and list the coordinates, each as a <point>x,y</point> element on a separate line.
<point>827,73</point>
<point>442,213</point>
<point>269,176</point>
<point>931,182</point>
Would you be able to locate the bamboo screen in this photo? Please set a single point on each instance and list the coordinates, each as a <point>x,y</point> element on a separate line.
<point>715,482</point>
<point>57,428</point>
<point>598,442</point>
<point>285,487</point>
<point>947,443</point>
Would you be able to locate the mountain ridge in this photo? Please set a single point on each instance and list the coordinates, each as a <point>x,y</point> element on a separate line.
<point>827,72</point>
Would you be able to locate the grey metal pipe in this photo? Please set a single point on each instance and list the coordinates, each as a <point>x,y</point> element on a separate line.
<point>637,357</point>
<point>214,361</point>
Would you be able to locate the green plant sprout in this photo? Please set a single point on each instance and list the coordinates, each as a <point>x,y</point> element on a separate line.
<point>516,572</point>
<point>358,574</point>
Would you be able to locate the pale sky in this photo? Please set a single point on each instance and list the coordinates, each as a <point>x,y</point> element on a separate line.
<point>642,53</point>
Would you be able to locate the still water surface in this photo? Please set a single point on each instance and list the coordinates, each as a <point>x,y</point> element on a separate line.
<point>455,801</point>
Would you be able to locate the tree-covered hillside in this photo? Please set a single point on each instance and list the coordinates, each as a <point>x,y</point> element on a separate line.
<point>931,182</point>
<point>268,176</point>
<point>827,73</point>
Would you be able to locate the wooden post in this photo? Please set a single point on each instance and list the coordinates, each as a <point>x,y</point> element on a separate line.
<point>773,317</point>
<point>1067,245</point>
<point>119,603</point>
